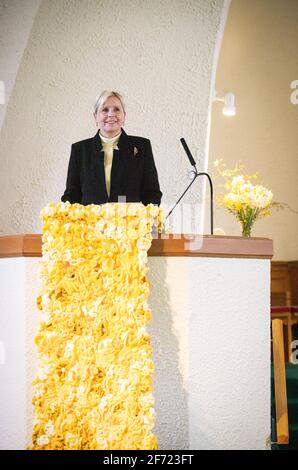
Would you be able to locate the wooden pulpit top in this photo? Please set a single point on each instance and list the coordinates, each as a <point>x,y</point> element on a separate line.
<point>219,246</point>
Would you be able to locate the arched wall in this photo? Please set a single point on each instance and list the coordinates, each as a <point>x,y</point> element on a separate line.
<point>162,57</point>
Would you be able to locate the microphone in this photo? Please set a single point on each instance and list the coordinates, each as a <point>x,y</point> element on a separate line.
<point>188,152</point>
<point>195,175</point>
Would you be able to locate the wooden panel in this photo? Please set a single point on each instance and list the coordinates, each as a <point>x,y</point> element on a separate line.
<point>283,269</point>
<point>280,387</point>
<point>293,270</point>
<point>173,245</point>
<point>281,302</point>
<point>280,287</point>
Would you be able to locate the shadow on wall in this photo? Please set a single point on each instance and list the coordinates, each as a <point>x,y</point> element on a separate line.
<point>171,402</point>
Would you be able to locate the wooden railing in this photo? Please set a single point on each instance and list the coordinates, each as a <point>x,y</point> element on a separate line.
<point>280,387</point>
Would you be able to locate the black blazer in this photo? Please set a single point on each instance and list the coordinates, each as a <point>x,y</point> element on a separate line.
<point>133,172</point>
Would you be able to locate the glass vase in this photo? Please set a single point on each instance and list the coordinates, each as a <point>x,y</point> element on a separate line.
<point>246,228</point>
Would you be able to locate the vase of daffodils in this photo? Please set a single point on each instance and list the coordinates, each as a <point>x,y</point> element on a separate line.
<point>247,201</point>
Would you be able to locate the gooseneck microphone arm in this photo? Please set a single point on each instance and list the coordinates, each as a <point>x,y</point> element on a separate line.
<point>196,174</point>
<point>211,199</point>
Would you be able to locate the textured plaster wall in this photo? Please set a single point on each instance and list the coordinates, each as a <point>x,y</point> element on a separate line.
<point>211,345</point>
<point>33,289</point>
<point>20,285</point>
<point>211,349</point>
<point>13,394</point>
<point>16,19</point>
<point>159,54</point>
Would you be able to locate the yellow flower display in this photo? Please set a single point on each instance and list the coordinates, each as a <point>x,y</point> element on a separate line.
<point>248,202</point>
<point>93,388</point>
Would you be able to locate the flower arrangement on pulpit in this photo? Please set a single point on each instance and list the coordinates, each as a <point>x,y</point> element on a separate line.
<point>94,386</point>
<point>247,201</point>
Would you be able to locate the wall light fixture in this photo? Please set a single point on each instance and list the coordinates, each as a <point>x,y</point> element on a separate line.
<point>229,108</point>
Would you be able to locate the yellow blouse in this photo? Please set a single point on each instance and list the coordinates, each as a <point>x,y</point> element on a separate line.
<point>108,146</point>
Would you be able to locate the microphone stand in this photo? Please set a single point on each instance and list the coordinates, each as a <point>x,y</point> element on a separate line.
<point>196,174</point>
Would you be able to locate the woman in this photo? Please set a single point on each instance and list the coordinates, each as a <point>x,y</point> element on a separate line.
<point>112,166</point>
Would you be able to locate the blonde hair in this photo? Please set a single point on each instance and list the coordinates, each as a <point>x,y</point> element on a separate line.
<point>102,98</point>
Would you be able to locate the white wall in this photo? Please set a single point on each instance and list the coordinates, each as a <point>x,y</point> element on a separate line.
<point>160,54</point>
<point>211,344</point>
<point>13,369</point>
<point>16,20</point>
<point>258,62</point>
<point>18,326</point>
<point>211,350</point>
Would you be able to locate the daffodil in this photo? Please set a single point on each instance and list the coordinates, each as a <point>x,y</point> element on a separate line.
<point>248,202</point>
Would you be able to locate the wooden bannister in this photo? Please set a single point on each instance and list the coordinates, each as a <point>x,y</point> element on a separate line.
<point>280,387</point>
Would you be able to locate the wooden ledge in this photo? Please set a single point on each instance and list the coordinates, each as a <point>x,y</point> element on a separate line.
<point>212,246</point>
<point>13,246</point>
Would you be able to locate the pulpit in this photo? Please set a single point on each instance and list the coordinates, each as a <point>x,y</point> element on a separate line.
<point>210,336</point>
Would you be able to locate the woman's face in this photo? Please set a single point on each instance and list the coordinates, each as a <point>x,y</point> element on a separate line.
<point>110,117</point>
